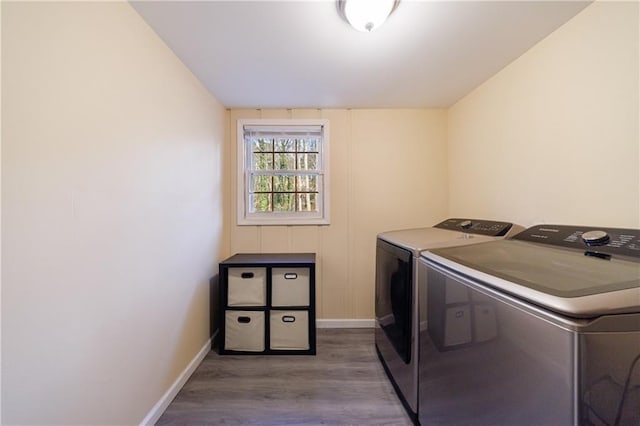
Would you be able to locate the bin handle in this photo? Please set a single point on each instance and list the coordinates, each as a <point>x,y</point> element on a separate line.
<point>288,318</point>
<point>290,276</point>
<point>244,320</point>
<point>246,275</point>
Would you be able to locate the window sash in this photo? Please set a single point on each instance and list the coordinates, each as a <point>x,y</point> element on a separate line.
<point>251,155</point>
<point>295,189</point>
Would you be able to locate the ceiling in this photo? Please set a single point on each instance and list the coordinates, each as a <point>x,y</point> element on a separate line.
<point>301,54</point>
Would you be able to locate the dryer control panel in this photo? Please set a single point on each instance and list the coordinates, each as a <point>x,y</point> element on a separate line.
<point>594,241</point>
<point>476,226</point>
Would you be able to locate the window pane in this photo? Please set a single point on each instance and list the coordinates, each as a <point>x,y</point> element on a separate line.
<point>260,183</point>
<point>307,183</point>
<point>285,145</point>
<point>283,183</point>
<point>285,162</point>
<point>307,161</point>
<point>260,203</point>
<point>262,162</point>
<point>307,202</point>
<point>283,202</point>
<point>308,145</point>
<point>261,145</point>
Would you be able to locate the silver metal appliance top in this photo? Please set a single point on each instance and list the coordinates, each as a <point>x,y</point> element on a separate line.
<point>577,271</point>
<point>449,233</point>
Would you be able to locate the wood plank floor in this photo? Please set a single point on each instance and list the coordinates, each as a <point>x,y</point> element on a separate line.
<point>344,384</point>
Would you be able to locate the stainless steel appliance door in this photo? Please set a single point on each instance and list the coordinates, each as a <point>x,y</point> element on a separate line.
<point>487,358</point>
<point>395,334</point>
<point>394,296</point>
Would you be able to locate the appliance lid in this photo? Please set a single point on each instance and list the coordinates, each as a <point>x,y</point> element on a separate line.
<point>584,281</point>
<point>451,232</point>
<point>419,239</point>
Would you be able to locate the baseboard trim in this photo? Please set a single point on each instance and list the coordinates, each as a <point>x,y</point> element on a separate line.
<point>345,323</point>
<point>152,417</point>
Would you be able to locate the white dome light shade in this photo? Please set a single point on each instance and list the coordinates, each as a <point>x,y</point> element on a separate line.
<point>366,15</point>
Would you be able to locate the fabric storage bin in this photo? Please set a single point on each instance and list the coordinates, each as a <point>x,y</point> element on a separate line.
<point>290,287</point>
<point>247,287</point>
<point>244,331</point>
<point>289,330</point>
<point>457,326</point>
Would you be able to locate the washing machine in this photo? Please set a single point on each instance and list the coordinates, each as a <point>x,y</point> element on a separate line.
<point>540,329</point>
<point>396,301</point>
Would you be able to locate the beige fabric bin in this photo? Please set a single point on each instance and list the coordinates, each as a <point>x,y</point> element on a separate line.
<point>247,287</point>
<point>244,331</point>
<point>290,287</point>
<point>457,326</point>
<point>289,330</point>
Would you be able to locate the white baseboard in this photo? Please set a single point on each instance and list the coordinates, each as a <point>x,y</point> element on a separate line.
<point>345,323</point>
<point>152,417</point>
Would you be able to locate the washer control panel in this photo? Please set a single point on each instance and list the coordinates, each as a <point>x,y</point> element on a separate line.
<point>491,228</point>
<point>606,241</point>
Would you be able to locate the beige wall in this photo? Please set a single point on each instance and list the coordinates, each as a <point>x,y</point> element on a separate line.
<point>388,171</point>
<point>118,190</point>
<point>112,218</point>
<point>553,137</point>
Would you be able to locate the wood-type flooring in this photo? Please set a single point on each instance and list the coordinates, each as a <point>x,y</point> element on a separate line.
<point>344,384</point>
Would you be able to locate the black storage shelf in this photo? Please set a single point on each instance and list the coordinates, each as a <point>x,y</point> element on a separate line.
<point>247,288</point>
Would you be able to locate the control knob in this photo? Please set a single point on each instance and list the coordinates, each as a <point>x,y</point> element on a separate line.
<point>465,224</point>
<point>595,238</point>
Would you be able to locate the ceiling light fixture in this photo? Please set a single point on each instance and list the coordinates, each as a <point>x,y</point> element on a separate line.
<point>366,15</point>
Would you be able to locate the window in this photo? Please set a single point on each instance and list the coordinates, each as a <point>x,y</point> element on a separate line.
<point>282,172</point>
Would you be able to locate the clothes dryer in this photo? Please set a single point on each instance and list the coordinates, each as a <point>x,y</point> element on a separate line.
<point>396,301</point>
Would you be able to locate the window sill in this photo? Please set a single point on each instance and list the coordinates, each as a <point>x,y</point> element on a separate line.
<point>283,222</point>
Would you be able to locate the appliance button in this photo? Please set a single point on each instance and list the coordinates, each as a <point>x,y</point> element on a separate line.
<point>465,224</point>
<point>595,238</point>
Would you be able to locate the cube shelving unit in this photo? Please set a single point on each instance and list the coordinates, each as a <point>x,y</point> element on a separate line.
<point>268,304</point>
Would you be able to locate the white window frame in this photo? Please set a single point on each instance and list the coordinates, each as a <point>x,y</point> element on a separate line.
<point>244,216</point>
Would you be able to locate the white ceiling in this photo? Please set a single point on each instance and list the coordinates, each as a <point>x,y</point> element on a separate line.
<point>301,54</point>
